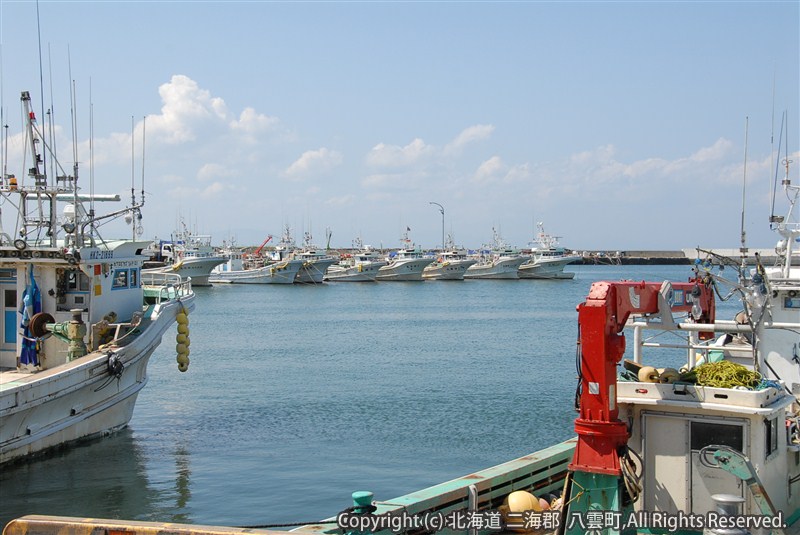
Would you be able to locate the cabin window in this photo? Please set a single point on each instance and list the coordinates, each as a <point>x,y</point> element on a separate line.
<point>712,433</point>
<point>10,298</point>
<point>771,436</point>
<point>76,281</point>
<point>134,275</point>
<point>120,279</point>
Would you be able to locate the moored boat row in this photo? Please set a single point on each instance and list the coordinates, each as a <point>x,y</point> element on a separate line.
<point>288,264</point>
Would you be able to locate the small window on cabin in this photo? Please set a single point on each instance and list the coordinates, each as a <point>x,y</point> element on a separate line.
<point>72,280</point>
<point>83,282</point>
<point>771,436</point>
<point>10,298</point>
<point>78,299</point>
<point>120,279</point>
<point>716,434</point>
<point>134,278</point>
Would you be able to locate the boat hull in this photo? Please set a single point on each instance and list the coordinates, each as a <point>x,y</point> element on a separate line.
<point>285,273</point>
<point>500,269</point>
<point>364,272</point>
<point>80,399</point>
<point>196,268</point>
<point>404,270</point>
<point>451,270</point>
<point>547,269</point>
<point>313,271</point>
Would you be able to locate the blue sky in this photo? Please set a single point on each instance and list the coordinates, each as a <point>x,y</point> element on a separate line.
<point>620,125</point>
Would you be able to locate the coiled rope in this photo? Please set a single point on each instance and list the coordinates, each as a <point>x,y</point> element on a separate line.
<point>726,374</point>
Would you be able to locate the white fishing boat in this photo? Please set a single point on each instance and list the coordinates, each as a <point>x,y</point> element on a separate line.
<point>187,254</point>
<point>243,268</point>
<point>496,261</point>
<point>450,264</point>
<point>406,264</point>
<point>81,319</point>
<point>361,265</point>
<point>548,259</point>
<point>316,261</point>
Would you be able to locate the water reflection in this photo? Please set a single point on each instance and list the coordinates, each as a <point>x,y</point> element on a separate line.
<point>183,493</point>
<point>99,478</point>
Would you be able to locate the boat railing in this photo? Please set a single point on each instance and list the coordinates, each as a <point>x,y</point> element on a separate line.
<point>686,336</point>
<point>161,287</point>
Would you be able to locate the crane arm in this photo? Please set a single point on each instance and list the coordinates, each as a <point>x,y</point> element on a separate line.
<point>601,319</point>
<point>260,247</point>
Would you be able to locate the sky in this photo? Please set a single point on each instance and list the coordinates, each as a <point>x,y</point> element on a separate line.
<point>618,125</point>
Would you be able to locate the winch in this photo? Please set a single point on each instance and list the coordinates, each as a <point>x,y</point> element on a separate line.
<point>72,332</point>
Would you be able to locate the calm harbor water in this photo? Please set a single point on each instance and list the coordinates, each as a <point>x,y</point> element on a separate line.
<point>296,396</point>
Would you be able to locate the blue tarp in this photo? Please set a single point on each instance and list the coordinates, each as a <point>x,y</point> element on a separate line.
<point>31,304</point>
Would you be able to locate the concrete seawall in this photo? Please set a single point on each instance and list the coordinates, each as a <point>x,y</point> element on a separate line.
<point>682,257</point>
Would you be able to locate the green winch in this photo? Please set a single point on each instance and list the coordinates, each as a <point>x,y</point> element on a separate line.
<point>72,332</point>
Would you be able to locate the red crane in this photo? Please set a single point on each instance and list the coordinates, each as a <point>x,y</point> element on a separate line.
<point>602,436</point>
<point>258,251</point>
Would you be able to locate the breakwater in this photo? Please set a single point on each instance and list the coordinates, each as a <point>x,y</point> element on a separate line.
<point>680,257</point>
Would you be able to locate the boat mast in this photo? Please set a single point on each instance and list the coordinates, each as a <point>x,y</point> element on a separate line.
<point>743,248</point>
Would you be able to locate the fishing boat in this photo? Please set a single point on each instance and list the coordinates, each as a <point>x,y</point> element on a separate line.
<point>496,261</point>
<point>548,259</point>
<point>710,445</point>
<point>451,264</point>
<point>316,261</point>
<point>405,264</point>
<point>243,268</point>
<point>81,320</point>
<point>187,254</point>
<point>361,265</point>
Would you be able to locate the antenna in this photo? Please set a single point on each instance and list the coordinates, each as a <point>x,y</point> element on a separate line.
<point>743,248</point>
<point>41,73</point>
<point>772,217</point>
<point>91,149</point>
<point>129,215</point>
<point>53,172</point>
<point>144,124</point>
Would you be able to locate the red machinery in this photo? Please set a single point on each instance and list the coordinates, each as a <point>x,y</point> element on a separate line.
<point>260,247</point>
<point>601,319</point>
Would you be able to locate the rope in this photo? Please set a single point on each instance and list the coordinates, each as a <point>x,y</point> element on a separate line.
<point>726,374</point>
<point>631,477</point>
<point>368,509</point>
<point>287,525</point>
<point>767,383</point>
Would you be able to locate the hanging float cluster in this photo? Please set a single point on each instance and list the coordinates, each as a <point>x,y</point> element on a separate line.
<point>182,339</point>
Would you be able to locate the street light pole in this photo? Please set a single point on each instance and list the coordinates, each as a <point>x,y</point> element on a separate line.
<point>441,209</point>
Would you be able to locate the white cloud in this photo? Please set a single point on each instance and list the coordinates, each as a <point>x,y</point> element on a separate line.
<point>253,122</point>
<point>185,107</point>
<point>719,150</point>
<point>469,135</point>
<point>211,171</point>
<point>415,152</point>
<point>490,170</point>
<point>518,173</point>
<point>342,200</point>
<point>314,161</point>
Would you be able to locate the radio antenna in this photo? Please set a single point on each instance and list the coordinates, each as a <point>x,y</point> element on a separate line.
<point>743,248</point>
